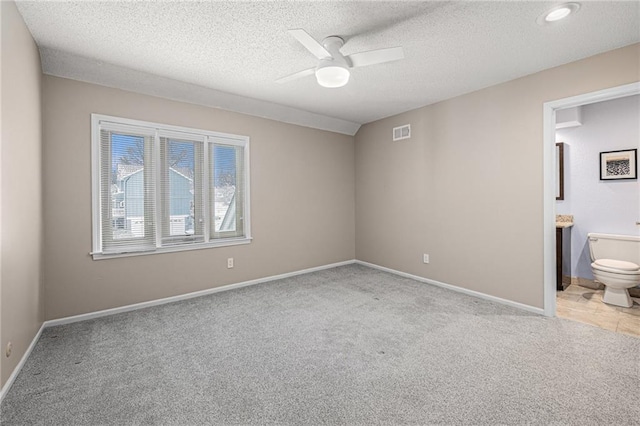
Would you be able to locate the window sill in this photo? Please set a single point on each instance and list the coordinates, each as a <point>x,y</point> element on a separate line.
<point>175,248</point>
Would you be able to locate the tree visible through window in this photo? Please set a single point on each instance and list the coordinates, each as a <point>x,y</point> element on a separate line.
<point>225,177</point>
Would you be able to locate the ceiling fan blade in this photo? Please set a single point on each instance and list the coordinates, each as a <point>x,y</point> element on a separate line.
<point>378,56</point>
<point>296,76</point>
<point>310,43</point>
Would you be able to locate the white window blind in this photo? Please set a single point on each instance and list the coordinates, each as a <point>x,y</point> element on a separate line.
<point>159,188</point>
<point>182,190</point>
<point>127,189</point>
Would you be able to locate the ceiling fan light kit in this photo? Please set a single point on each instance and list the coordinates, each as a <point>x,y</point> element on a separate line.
<point>333,67</point>
<point>332,75</point>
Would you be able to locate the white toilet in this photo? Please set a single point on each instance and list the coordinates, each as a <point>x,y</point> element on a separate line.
<point>616,264</point>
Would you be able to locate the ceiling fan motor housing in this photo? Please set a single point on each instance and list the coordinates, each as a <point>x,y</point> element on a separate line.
<point>334,70</point>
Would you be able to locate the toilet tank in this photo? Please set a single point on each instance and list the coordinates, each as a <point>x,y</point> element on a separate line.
<point>618,247</point>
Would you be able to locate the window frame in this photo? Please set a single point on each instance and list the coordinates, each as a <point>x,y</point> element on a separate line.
<point>210,139</point>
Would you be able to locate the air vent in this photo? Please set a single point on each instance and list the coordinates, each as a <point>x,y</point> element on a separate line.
<point>402,132</point>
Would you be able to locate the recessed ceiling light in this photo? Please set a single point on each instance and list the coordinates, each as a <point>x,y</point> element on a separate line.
<point>557,13</point>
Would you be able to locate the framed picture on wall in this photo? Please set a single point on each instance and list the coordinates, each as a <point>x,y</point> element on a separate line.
<point>616,165</point>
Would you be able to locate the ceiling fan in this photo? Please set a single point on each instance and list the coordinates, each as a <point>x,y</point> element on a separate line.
<point>333,67</point>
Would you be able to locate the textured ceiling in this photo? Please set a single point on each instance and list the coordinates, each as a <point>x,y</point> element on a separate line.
<point>228,54</point>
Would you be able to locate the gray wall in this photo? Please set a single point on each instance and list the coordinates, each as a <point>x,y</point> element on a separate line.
<point>302,202</point>
<point>467,188</point>
<point>21,292</point>
<point>610,207</point>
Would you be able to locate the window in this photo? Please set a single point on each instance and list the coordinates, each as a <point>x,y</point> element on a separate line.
<point>160,188</point>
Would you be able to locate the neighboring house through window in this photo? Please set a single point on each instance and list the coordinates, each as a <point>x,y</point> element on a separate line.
<point>159,188</point>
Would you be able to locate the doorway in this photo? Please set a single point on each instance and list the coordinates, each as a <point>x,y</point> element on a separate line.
<point>549,174</point>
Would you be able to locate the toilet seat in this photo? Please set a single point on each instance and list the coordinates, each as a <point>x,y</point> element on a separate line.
<point>616,266</point>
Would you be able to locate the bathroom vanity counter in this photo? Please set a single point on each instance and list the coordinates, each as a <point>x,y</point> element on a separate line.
<point>564,220</point>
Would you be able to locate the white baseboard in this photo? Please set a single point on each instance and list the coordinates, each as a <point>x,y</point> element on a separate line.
<point>142,305</point>
<point>127,308</point>
<point>473,293</point>
<point>16,370</point>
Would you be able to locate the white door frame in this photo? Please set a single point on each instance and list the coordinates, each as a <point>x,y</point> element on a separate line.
<point>549,191</point>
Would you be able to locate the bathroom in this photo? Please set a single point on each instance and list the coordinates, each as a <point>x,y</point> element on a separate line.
<point>589,201</point>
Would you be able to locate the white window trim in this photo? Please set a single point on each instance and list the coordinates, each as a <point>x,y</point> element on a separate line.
<point>164,129</point>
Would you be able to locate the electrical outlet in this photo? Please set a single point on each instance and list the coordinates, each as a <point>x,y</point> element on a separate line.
<point>230,263</point>
<point>425,258</point>
<point>9,349</point>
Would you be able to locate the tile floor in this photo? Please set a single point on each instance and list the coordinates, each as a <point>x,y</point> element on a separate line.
<point>585,305</point>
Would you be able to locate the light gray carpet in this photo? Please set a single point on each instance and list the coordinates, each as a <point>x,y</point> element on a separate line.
<point>350,345</point>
